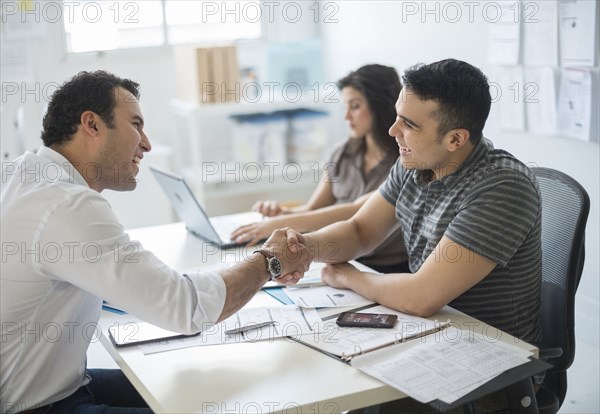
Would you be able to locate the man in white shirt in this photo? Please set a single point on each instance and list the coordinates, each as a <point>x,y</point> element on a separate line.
<point>64,251</point>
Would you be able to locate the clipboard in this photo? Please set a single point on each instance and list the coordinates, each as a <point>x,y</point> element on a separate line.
<point>136,333</point>
<point>345,343</point>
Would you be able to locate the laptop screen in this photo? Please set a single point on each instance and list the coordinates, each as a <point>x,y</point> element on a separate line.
<point>185,204</point>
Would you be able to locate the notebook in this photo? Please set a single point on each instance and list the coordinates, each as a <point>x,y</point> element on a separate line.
<point>215,230</point>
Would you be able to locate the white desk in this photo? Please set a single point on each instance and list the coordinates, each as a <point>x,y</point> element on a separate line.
<point>249,377</point>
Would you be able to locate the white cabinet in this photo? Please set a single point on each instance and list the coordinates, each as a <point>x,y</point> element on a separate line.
<point>205,154</point>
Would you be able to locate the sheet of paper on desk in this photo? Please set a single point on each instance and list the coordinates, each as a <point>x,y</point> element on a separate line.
<point>325,297</point>
<point>446,365</point>
<point>348,342</point>
<point>290,321</point>
<point>313,276</point>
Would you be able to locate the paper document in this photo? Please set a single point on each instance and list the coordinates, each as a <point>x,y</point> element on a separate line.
<point>504,33</point>
<point>540,33</point>
<point>346,343</point>
<point>577,32</point>
<point>443,366</point>
<point>540,100</point>
<point>289,320</point>
<point>325,297</point>
<point>575,103</point>
<point>313,276</point>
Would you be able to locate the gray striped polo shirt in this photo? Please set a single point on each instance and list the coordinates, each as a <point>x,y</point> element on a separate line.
<point>490,205</point>
<point>349,182</point>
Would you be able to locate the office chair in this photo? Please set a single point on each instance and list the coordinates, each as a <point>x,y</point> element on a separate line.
<point>565,208</point>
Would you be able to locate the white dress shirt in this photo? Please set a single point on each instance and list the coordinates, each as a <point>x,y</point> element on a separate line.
<point>63,252</point>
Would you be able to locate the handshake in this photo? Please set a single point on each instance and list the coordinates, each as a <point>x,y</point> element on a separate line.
<point>291,254</point>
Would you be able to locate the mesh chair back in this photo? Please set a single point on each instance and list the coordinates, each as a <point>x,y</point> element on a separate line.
<point>565,208</point>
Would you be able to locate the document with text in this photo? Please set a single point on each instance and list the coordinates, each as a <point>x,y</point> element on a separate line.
<point>444,366</point>
<point>325,297</point>
<point>346,342</point>
<point>270,322</point>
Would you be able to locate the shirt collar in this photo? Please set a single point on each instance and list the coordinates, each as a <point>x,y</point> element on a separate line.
<point>479,152</point>
<point>65,164</point>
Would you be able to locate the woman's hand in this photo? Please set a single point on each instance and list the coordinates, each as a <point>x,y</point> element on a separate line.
<point>268,208</point>
<point>255,232</point>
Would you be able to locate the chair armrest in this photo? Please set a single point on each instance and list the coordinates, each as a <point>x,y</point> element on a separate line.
<point>549,353</point>
<point>546,352</point>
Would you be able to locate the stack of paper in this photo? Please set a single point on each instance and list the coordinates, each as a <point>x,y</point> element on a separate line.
<point>445,366</point>
<point>288,321</point>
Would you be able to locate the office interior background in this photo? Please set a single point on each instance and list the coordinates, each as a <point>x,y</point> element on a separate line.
<point>325,40</point>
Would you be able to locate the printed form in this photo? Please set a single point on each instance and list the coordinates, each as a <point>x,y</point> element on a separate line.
<point>288,320</point>
<point>445,366</point>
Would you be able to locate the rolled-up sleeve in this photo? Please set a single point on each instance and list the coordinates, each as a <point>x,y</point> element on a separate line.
<point>100,258</point>
<point>210,296</point>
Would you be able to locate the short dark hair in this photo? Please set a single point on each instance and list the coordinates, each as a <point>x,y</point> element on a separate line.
<point>86,91</point>
<point>381,86</point>
<point>460,89</point>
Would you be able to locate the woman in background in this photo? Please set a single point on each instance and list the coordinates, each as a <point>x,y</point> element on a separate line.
<point>355,169</point>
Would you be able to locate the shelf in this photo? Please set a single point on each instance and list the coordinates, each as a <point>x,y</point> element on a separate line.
<point>205,154</point>
<point>262,106</point>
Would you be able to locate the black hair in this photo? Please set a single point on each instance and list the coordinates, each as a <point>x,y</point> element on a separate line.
<point>461,91</point>
<point>381,86</point>
<point>86,91</point>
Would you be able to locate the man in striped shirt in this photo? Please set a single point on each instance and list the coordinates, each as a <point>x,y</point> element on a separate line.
<point>470,214</point>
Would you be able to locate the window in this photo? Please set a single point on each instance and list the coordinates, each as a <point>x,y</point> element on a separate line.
<point>121,24</point>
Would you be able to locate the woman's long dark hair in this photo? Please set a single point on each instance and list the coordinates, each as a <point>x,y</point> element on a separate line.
<point>381,86</point>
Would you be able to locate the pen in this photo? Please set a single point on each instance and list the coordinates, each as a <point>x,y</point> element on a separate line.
<point>249,327</point>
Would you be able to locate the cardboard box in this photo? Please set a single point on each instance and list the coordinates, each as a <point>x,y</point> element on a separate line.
<point>207,74</point>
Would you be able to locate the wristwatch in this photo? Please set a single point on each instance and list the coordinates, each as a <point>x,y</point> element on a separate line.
<point>273,263</point>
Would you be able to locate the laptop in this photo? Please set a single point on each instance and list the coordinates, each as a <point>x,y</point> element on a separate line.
<point>216,230</point>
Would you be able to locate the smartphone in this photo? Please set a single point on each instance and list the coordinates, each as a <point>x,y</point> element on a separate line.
<point>367,320</point>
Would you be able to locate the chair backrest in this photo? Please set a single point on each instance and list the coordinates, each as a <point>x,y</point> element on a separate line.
<point>565,208</point>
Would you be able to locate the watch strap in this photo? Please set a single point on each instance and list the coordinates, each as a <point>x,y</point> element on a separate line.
<point>267,255</point>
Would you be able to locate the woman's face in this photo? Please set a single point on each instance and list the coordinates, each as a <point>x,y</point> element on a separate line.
<point>357,112</point>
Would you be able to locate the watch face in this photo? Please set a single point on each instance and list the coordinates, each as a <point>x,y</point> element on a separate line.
<point>275,267</point>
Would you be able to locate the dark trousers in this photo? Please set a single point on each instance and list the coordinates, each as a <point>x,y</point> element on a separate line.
<point>109,392</point>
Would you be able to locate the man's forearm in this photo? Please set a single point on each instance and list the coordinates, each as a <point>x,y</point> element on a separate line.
<point>337,243</point>
<point>242,282</point>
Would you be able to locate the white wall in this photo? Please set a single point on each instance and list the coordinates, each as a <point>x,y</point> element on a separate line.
<point>379,32</point>
<point>152,68</point>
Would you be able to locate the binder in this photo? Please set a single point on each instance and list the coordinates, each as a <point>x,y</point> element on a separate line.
<point>346,343</point>
<point>207,75</point>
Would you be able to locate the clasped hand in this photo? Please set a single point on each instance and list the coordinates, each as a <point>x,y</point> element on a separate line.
<point>291,250</point>
<point>295,250</point>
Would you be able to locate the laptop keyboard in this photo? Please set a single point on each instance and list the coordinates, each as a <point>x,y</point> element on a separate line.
<point>225,225</point>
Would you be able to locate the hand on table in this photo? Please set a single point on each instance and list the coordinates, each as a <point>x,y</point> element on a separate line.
<point>268,208</point>
<point>338,275</point>
<point>254,232</point>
